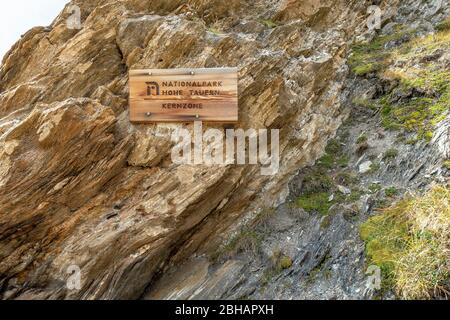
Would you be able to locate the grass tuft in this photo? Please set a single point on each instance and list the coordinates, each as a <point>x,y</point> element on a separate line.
<point>409,242</point>
<point>444,25</point>
<point>390,154</point>
<point>391,192</point>
<point>269,23</point>
<point>447,164</point>
<point>247,241</point>
<point>362,139</point>
<point>315,202</point>
<point>278,262</point>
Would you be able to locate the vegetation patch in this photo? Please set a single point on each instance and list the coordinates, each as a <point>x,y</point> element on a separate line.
<point>364,103</point>
<point>373,56</point>
<point>334,156</point>
<point>262,220</point>
<point>346,178</point>
<point>355,195</point>
<point>391,192</point>
<point>409,242</point>
<point>362,139</point>
<point>375,187</point>
<point>278,262</point>
<point>374,167</point>
<point>390,154</point>
<point>317,181</point>
<point>422,96</point>
<point>315,202</point>
<point>326,222</point>
<point>214,31</point>
<point>444,25</point>
<point>447,164</point>
<point>418,114</point>
<point>320,183</point>
<point>269,23</point>
<point>320,267</point>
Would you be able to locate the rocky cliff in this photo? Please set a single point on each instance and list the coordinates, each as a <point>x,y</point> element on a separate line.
<point>80,185</point>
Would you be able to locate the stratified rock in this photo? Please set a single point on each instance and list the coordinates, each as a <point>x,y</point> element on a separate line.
<point>68,153</point>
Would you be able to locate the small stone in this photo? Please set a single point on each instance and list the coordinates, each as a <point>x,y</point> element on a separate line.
<point>365,167</point>
<point>344,190</point>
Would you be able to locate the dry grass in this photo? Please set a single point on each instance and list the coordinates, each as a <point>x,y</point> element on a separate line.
<point>415,65</point>
<point>410,243</point>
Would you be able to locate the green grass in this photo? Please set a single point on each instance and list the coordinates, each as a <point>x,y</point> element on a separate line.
<point>375,187</point>
<point>444,25</point>
<point>333,147</point>
<point>362,139</point>
<point>316,202</point>
<point>318,184</point>
<point>361,70</point>
<point>215,31</point>
<point>347,178</point>
<point>326,222</point>
<point>269,23</point>
<point>327,161</point>
<point>249,238</point>
<point>418,113</point>
<point>409,242</point>
<point>342,161</point>
<point>390,154</point>
<point>354,196</point>
<point>373,57</point>
<point>285,262</point>
<point>412,141</point>
<point>365,103</point>
<point>334,156</point>
<point>374,167</point>
<point>391,191</point>
<point>261,222</point>
<point>317,180</point>
<point>447,164</point>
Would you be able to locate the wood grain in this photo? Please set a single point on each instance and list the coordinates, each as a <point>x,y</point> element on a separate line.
<point>183,95</point>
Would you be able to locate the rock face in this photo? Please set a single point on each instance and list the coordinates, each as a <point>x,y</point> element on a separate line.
<point>82,186</point>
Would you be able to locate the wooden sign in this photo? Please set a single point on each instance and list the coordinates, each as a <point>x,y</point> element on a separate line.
<point>180,95</point>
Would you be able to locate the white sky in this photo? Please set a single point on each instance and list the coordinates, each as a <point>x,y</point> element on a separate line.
<point>19,16</point>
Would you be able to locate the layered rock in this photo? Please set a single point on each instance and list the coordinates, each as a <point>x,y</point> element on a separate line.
<point>80,185</point>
